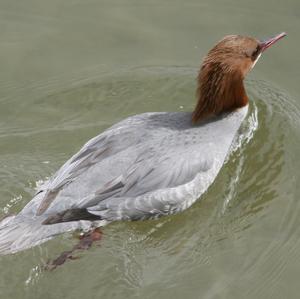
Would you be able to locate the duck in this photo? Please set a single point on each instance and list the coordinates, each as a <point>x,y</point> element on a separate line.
<point>146,166</point>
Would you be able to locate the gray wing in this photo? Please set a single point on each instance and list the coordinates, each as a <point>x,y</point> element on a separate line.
<point>109,143</point>
<point>152,187</point>
<point>147,165</point>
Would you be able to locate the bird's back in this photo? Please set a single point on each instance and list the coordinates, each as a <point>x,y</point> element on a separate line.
<point>146,166</point>
<point>130,169</point>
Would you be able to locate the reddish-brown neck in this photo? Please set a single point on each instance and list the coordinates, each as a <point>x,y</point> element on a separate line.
<point>220,89</point>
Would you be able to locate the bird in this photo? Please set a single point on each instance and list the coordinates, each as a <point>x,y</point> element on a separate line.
<point>148,165</point>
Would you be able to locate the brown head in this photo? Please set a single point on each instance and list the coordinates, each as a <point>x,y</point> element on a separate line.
<point>220,80</point>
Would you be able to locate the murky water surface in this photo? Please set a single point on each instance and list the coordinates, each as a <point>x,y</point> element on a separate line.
<point>70,69</point>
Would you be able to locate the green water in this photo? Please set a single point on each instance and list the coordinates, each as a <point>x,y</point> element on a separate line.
<point>70,69</point>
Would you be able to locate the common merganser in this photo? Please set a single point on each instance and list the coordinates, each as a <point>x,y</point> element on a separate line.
<point>148,165</point>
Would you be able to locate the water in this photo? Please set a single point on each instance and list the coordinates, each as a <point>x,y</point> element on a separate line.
<point>70,69</point>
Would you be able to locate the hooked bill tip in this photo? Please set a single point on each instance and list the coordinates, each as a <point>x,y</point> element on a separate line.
<point>270,41</point>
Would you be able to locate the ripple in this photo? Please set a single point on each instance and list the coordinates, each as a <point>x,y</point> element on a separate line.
<point>244,227</point>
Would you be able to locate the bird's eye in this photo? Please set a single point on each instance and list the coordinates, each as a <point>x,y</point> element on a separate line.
<point>256,51</point>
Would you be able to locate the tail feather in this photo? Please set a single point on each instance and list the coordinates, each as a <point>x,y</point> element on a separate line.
<point>20,232</point>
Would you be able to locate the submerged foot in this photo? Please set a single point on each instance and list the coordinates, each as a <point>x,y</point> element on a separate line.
<point>85,242</point>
